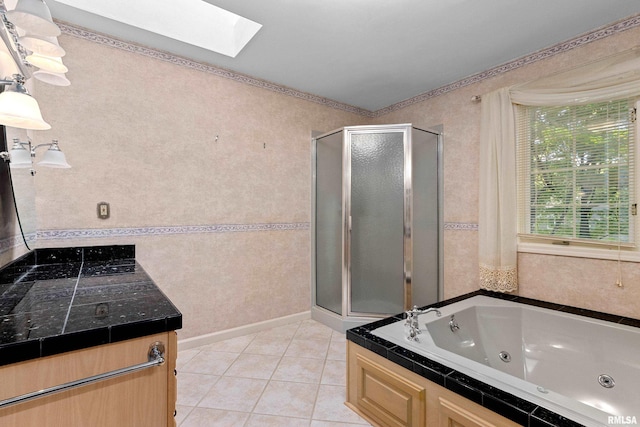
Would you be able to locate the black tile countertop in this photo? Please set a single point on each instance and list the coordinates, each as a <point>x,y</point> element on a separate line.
<point>58,300</point>
<point>509,406</point>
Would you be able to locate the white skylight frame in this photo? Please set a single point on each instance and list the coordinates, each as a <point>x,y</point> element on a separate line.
<point>195,22</point>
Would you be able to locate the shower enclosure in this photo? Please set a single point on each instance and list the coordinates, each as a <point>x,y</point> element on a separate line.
<point>376,227</point>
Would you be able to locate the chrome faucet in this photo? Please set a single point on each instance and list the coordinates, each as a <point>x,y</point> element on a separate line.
<point>453,324</point>
<point>412,321</point>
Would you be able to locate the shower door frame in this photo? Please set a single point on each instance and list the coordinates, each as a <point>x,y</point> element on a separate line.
<point>405,129</point>
<point>346,318</point>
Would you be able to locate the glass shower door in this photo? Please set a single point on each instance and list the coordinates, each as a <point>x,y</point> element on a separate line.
<point>328,226</point>
<point>376,242</point>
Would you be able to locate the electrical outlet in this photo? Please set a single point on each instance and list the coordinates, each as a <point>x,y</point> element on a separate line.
<point>103,210</point>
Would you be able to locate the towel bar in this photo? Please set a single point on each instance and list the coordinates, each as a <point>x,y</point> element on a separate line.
<point>156,358</point>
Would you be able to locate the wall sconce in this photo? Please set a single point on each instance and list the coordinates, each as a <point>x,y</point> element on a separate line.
<point>19,109</point>
<point>30,37</point>
<point>22,155</point>
<point>34,17</point>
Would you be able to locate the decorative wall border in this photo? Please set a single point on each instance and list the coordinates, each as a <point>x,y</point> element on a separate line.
<point>89,233</point>
<point>9,243</point>
<point>460,226</point>
<point>597,34</point>
<point>102,39</point>
<point>92,233</point>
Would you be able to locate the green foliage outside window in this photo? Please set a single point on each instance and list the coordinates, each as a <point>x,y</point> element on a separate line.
<point>578,162</point>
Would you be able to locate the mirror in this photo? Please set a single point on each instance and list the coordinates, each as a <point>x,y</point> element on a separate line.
<point>23,190</point>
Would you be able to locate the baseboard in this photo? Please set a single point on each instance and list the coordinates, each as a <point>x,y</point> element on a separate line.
<point>201,340</point>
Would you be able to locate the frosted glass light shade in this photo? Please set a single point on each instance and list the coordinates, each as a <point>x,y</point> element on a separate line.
<point>47,46</point>
<point>54,158</point>
<point>20,157</point>
<point>20,110</point>
<point>56,79</point>
<point>47,63</point>
<point>34,17</point>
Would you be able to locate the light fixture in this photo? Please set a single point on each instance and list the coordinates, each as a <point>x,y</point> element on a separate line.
<point>55,79</point>
<point>22,154</point>
<point>34,17</point>
<point>47,63</point>
<point>53,157</point>
<point>42,45</point>
<point>18,109</point>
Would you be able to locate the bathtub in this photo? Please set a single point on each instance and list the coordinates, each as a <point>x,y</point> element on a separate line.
<point>584,369</point>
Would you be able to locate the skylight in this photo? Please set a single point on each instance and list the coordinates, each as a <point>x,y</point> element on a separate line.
<point>195,21</point>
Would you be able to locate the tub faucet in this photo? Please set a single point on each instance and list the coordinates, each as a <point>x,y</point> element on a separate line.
<point>453,324</point>
<point>412,321</point>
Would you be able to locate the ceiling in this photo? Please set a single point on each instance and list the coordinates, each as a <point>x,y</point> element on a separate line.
<point>374,53</point>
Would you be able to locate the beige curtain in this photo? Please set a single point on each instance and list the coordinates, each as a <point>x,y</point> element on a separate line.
<point>497,227</point>
<point>615,77</point>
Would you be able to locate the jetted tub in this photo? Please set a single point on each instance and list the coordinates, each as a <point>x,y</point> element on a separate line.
<point>584,369</point>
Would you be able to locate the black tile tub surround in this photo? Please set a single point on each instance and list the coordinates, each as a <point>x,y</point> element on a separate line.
<point>58,300</point>
<point>512,407</point>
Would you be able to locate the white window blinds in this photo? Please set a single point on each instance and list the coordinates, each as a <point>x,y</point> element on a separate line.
<point>576,172</point>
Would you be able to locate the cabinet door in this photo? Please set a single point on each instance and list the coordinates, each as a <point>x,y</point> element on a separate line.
<point>455,415</point>
<point>393,400</point>
<point>140,399</point>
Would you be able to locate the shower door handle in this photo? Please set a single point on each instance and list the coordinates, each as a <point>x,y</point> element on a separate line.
<point>350,223</point>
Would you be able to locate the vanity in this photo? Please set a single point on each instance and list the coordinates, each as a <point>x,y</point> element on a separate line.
<point>86,339</point>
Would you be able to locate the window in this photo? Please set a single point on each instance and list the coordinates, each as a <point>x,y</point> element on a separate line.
<point>576,174</point>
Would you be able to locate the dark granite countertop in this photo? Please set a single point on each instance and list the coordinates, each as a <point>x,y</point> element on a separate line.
<point>58,300</point>
<point>514,408</point>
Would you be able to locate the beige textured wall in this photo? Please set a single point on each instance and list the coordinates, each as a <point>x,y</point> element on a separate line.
<point>579,282</point>
<point>140,134</point>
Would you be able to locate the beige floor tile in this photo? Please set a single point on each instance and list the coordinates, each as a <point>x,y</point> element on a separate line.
<point>205,417</point>
<point>234,394</point>
<point>182,412</point>
<point>233,345</point>
<point>267,379</point>
<point>337,350</point>
<point>330,406</point>
<point>316,423</point>
<point>185,356</point>
<point>268,346</point>
<point>310,329</point>
<point>210,362</point>
<point>338,336</point>
<point>300,370</point>
<point>193,387</point>
<point>335,373</point>
<point>281,332</point>
<point>253,366</point>
<point>258,420</point>
<point>310,348</point>
<point>287,399</point>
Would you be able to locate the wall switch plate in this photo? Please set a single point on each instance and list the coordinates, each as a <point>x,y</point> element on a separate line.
<point>103,210</point>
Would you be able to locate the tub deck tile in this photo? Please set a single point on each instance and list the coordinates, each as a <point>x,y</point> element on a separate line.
<point>544,418</point>
<point>464,385</point>
<point>508,405</point>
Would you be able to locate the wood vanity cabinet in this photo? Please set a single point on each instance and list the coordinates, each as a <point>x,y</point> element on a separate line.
<point>389,395</point>
<point>144,398</point>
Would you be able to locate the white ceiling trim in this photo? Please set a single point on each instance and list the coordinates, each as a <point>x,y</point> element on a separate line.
<point>597,34</point>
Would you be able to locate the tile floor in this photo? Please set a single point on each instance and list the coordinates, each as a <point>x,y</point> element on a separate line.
<point>292,375</point>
